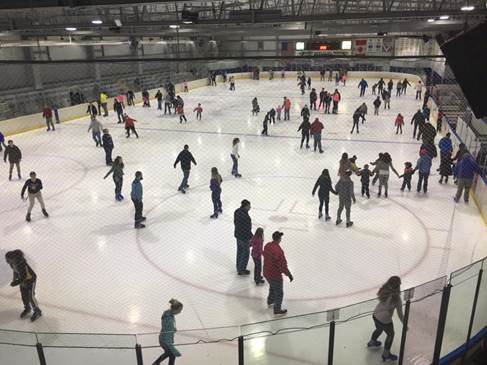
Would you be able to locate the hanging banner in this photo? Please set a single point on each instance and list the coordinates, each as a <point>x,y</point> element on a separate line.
<point>359,47</point>
<point>388,46</point>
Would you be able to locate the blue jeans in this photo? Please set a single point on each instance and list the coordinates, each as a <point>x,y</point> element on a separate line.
<point>184,182</point>
<point>243,254</point>
<point>235,165</point>
<point>423,181</point>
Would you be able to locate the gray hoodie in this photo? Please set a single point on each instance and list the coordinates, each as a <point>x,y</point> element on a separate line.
<point>344,188</point>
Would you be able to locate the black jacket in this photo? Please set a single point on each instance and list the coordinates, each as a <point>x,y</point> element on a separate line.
<point>325,186</point>
<point>32,186</point>
<point>305,127</point>
<point>305,113</point>
<point>118,107</point>
<point>322,95</point>
<point>313,96</point>
<point>418,118</point>
<point>243,224</point>
<point>377,102</point>
<point>92,110</point>
<point>159,96</point>
<point>23,273</point>
<point>13,153</point>
<point>107,141</point>
<point>185,158</point>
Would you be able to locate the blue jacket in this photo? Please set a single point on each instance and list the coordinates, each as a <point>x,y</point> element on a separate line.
<point>424,164</point>
<point>466,167</point>
<point>2,138</point>
<point>363,84</point>
<point>445,145</point>
<point>168,328</point>
<point>136,193</point>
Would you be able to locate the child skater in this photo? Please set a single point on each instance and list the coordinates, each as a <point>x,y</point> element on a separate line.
<point>365,175</point>
<point>216,190</point>
<point>264,125</point>
<point>129,125</point>
<point>198,111</point>
<point>407,176</point>
<point>180,111</point>
<point>256,243</point>
<point>278,111</point>
<point>399,123</point>
<point>255,106</point>
<point>117,171</point>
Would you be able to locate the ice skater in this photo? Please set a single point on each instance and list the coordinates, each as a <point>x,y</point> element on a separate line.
<point>380,85</point>
<point>390,86</point>
<point>398,88</point>
<point>465,171</point>
<point>423,166</point>
<point>377,103</point>
<point>305,113</point>
<point>130,125</point>
<point>286,105</point>
<point>418,121</point>
<point>336,97</point>
<point>145,99</point>
<point>2,142</point>
<point>344,189</point>
<point>14,155</point>
<point>419,90</point>
<point>386,97</point>
<point>389,297</point>
<point>168,329</point>
<point>180,112</point>
<point>232,83</point>
<point>322,98</point>
<point>365,175</point>
<point>136,196</point>
<point>312,99</point>
<point>382,167</point>
<point>198,111</point>
<point>118,108</point>
<point>362,112</point>
<point>265,124</point>
<point>25,278</point>
<point>117,171</point>
<point>235,155</point>
<point>356,119</point>
<point>257,244</point>
<point>243,233</point>
<point>399,122</point>
<point>325,186</point>
<point>272,116</point>
<point>47,114</point>
<point>95,128</point>
<point>327,102</point>
<point>33,187</point>
<point>407,176</point>
<point>315,131</point>
<point>255,107</point>
<point>305,130</point>
<point>363,85</point>
<point>159,99</point>
<point>405,85</point>
<point>107,146</point>
<point>185,158</point>
<point>446,150</point>
<point>216,191</point>
<point>278,112</point>
<point>168,103</point>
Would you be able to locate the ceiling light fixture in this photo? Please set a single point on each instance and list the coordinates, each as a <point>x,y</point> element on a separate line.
<point>71,29</point>
<point>174,26</point>
<point>97,21</point>
<point>431,20</point>
<point>467,8</point>
<point>187,22</point>
<point>444,17</point>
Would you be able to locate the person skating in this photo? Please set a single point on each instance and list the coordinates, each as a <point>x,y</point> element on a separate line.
<point>386,97</point>
<point>265,123</point>
<point>92,110</point>
<point>95,128</point>
<point>380,85</point>
<point>419,90</point>
<point>327,102</point>
<point>103,103</point>
<point>398,88</point>
<point>287,108</point>
<point>168,103</point>
<point>330,76</point>
<point>305,130</point>
<point>2,142</point>
<point>377,103</point>
<point>185,158</point>
<point>312,99</point>
<point>344,189</point>
<point>130,98</point>
<point>337,78</point>
<point>356,119</point>
<point>374,163</point>
<point>47,114</point>
<point>275,264</point>
<point>322,98</point>
<point>365,175</point>
<point>145,99</point>
<point>14,155</point>
<point>362,111</point>
<point>418,121</point>
<point>315,131</point>
<point>107,143</point>
<point>446,150</point>
<point>25,278</point>
<point>255,107</point>
<point>362,85</point>
<point>118,108</point>
<point>374,88</point>
<point>272,116</point>
<point>117,171</point>
<point>423,166</point>
<point>136,195</point>
<point>166,336</point>
<point>382,167</point>
<point>232,83</point>
<point>235,155</point>
<point>426,112</point>
<point>243,233</point>
<point>198,111</point>
<point>390,86</point>
<point>302,86</point>
<point>216,191</point>
<point>439,121</point>
<point>185,85</point>
<point>309,82</point>
<point>399,122</point>
<point>278,110</point>
<point>407,176</point>
<point>465,171</point>
<point>325,186</point>
<point>336,97</point>
<point>33,187</point>
<point>405,85</point>
<point>180,112</point>
<point>389,297</point>
<point>55,110</point>
<point>305,113</point>
<point>159,97</point>
<point>257,243</point>
<point>130,125</point>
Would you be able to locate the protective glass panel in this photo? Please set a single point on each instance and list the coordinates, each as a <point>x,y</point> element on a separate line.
<point>480,320</point>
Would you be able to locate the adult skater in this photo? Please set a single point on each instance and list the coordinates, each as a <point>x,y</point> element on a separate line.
<point>446,150</point>
<point>166,337</point>
<point>439,121</point>
<point>330,76</point>
<point>390,86</point>
<point>374,88</point>
<point>389,297</point>
<point>275,264</point>
<point>235,155</point>
<point>322,98</point>
<point>377,103</point>
<point>465,171</point>
<point>33,187</point>
<point>309,82</point>
<point>255,106</point>
<point>136,196</point>
<point>168,103</point>
<point>2,142</point>
<point>302,86</point>
<point>257,243</point>
<point>405,85</point>
<point>287,108</point>
<point>25,278</point>
<point>336,97</point>
<point>185,158</point>
<point>130,125</point>
<point>117,171</point>
<point>243,233</point>
<point>47,114</point>
<point>399,122</point>
<point>159,99</point>
<point>325,187</point>
<point>386,97</point>
<point>265,123</point>
<point>130,98</point>
<point>315,130</point>
<point>118,108</point>
<point>398,88</point>
<point>362,111</point>
<point>419,89</point>
<point>327,102</point>
<point>145,99</point>
<point>423,166</point>
<point>216,191</point>
<point>55,110</point>
<point>382,167</point>
<point>92,110</point>
<point>14,155</point>
<point>418,121</point>
<point>426,112</point>
<point>103,103</point>
<point>107,143</point>
<point>305,130</point>
<point>344,189</point>
<point>272,116</point>
<point>380,85</point>
<point>356,119</point>
<point>95,128</point>
<point>305,113</point>
<point>312,99</point>
<point>362,85</point>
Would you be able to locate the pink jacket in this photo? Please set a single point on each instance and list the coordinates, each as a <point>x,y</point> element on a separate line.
<point>257,244</point>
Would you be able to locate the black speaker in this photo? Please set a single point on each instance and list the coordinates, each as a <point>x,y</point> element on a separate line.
<point>467,57</point>
<point>190,15</point>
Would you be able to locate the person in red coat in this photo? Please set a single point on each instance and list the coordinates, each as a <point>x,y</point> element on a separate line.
<point>399,123</point>
<point>129,125</point>
<point>316,128</point>
<point>275,265</point>
<point>47,113</point>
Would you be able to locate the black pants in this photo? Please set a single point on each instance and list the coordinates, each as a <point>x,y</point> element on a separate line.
<point>335,107</point>
<point>305,136</point>
<point>388,329</point>
<point>184,182</point>
<point>120,115</point>
<point>423,181</point>
<point>139,206</point>
<point>399,129</point>
<point>276,294</point>
<point>159,104</point>
<point>198,115</point>
<point>322,102</point>
<point>398,92</point>
<point>376,110</point>
<point>27,292</point>
<point>105,109</point>
<point>326,200</point>
<point>406,183</point>
<point>365,189</point>
<point>182,117</point>
<point>217,203</point>
<point>355,124</point>
<point>327,108</point>
<point>415,129</point>
<point>418,95</point>
<point>243,253</point>
<point>132,128</point>
<point>167,108</point>
<point>108,155</point>
<point>264,130</point>
<point>312,105</point>
<point>257,269</point>
<point>166,355</point>
<point>362,91</point>
<point>118,184</point>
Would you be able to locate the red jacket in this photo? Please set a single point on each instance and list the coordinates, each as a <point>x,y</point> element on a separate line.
<point>129,122</point>
<point>275,263</point>
<point>287,104</point>
<point>180,109</point>
<point>316,127</point>
<point>336,97</point>
<point>47,113</point>
<point>257,245</point>
<point>399,120</point>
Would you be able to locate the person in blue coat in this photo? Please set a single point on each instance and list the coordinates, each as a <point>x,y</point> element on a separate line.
<point>2,142</point>
<point>465,171</point>
<point>166,336</point>
<point>424,167</point>
<point>136,196</point>
<point>363,85</point>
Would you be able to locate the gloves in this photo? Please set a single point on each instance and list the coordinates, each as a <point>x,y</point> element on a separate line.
<point>291,278</point>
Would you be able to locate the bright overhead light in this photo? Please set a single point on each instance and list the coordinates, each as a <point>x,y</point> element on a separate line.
<point>346,44</point>
<point>97,21</point>
<point>299,46</point>
<point>71,29</point>
<point>187,22</point>
<point>174,26</point>
<point>431,20</point>
<point>444,17</point>
<point>467,8</point>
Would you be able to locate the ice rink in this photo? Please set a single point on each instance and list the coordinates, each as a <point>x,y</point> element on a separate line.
<point>96,273</point>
